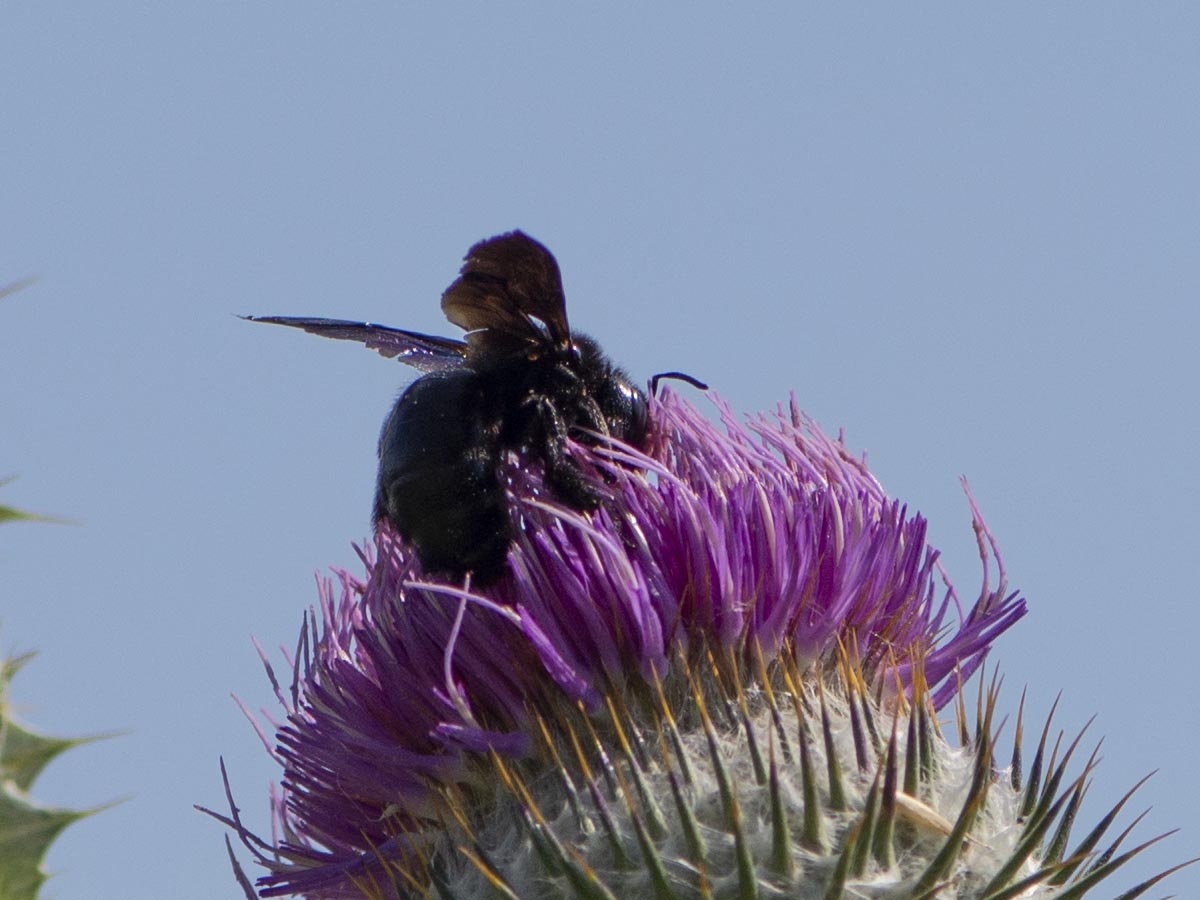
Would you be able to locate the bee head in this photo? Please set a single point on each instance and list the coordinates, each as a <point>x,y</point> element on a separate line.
<point>621,403</point>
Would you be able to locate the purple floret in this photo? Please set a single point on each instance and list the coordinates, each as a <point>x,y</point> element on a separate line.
<point>764,535</point>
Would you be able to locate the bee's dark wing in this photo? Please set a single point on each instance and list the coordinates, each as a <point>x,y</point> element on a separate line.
<point>509,294</point>
<point>424,352</point>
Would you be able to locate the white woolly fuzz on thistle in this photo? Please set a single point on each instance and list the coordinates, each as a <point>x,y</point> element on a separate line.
<point>602,831</point>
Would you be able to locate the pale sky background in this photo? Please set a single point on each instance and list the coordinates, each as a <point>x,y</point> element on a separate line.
<point>970,238</point>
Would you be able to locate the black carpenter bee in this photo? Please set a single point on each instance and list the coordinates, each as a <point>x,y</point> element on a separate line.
<point>520,382</point>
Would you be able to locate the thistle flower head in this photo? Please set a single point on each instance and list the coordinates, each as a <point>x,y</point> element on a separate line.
<point>624,714</point>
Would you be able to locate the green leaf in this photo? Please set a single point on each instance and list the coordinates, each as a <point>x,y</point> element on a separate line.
<point>11,514</point>
<point>27,828</point>
<point>24,753</point>
<point>26,831</point>
<point>8,514</point>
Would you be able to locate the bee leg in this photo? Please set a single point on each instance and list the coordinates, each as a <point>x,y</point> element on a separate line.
<point>593,418</point>
<point>563,476</point>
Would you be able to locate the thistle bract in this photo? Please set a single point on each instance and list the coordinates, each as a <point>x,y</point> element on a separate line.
<point>720,684</point>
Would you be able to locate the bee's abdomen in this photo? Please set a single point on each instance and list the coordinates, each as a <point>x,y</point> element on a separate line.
<point>438,484</point>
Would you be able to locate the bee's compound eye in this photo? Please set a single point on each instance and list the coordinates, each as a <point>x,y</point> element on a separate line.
<point>635,431</point>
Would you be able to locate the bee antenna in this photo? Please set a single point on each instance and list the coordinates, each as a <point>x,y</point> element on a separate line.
<point>678,376</point>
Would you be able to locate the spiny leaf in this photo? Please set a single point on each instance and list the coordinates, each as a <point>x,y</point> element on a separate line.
<point>12,514</point>
<point>27,828</point>
<point>25,753</point>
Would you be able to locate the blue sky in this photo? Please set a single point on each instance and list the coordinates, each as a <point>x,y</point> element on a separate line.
<point>969,238</point>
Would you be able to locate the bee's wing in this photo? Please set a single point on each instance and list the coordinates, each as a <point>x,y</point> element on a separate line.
<point>509,293</point>
<point>424,352</point>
